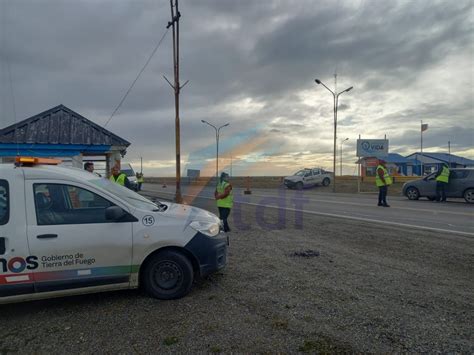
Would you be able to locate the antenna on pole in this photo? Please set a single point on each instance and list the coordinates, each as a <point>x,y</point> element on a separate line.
<point>174,23</point>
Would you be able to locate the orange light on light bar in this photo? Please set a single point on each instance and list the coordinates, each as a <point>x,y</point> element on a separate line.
<point>37,161</point>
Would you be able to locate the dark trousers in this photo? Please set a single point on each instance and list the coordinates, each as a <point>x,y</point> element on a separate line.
<point>140,186</point>
<point>440,191</point>
<point>383,195</point>
<point>223,215</point>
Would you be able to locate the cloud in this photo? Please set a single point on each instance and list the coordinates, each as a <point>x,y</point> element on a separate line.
<point>251,64</point>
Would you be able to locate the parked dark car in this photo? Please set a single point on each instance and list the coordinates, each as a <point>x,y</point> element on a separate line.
<point>461,184</point>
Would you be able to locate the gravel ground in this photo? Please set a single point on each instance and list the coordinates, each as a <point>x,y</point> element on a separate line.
<point>351,287</point>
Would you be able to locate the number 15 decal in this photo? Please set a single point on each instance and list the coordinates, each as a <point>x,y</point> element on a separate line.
<point>148,220</point>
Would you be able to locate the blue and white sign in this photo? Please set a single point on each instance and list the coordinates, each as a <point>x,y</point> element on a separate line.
<point>372,147</point>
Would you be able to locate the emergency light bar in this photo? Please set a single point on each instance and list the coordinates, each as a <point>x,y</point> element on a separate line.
<point>36,161</point>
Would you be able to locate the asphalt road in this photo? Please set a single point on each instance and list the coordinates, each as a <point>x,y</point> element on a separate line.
<point>455,216</point>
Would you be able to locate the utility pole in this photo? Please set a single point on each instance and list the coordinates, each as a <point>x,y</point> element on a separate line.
<point>335,95</point>
<point>141,165</point>
<point>174,23</point>
<point>342,142</point>
<point>218,131</point>
<point>449,152</point>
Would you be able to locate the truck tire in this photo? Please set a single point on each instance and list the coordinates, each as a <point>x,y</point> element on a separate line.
<point>412,193</point>
<point>168,275</point>
<point>299,186</point>
<point>469,195</point>
<point>326,182</point>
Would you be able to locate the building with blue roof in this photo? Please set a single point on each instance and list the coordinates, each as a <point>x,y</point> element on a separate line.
<point>433,161</point>
<point>62,133</point>
<point>396,163</point>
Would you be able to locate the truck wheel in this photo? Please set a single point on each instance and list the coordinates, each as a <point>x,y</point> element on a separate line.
<point>469,195</point>
<point>412,193</point>
<point>168,275</point>
<point>299,186</point>
<point>326,182</point>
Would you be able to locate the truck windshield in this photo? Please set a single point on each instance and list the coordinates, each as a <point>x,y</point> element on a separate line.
<point>301,172</point>
<point>130,196</point>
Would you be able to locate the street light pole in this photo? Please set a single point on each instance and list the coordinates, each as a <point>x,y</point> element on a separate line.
<point>336,99</point>
<point>341,154</point>
<point>217,145</point>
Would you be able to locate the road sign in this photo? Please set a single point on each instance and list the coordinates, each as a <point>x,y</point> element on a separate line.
<point>372,147</point>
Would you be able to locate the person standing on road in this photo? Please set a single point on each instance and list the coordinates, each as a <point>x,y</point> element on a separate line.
<point>442,180</point>
<point>383,180</point>
<point>140,181</point>
<point>225,199</point>
<point>120,178</point>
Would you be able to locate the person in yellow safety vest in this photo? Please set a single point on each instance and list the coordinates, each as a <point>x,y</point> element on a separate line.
<point>140,181</point>
<point>120,178</point>
<point>442,180</point>
<point>225,199</point>
<point>383,180</point>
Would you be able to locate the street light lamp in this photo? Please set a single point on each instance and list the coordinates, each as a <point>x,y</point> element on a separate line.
<point>336,99</point>
<point>217,145</point>
<point>342,141</point>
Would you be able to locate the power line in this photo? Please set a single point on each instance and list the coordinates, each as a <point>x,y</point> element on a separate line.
<point>138,76</point>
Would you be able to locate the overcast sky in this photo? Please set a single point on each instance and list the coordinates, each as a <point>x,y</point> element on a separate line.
<point>251,64</point>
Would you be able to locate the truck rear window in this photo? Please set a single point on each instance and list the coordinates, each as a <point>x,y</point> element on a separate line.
<point>4,202</point>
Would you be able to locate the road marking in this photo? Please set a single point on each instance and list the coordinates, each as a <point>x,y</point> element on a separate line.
<point>373,205</point>
<point>350,203</point>
<point>362,219</point>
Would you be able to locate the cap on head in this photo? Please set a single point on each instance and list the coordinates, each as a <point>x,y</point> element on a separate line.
<point>224,175</point>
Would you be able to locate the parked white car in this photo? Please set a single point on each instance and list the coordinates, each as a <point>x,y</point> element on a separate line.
<point>307,178</point>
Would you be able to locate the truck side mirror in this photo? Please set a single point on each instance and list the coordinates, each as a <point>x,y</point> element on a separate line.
<point>114,213</point>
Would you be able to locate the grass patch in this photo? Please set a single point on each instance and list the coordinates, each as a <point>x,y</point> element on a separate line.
<point>280,324</point>
<point>170,341</point>
<point>215,349</point>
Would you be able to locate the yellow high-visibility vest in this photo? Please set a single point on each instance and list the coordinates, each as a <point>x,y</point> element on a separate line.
<point>227,202</point>
<point>386,176</point>
<point>444,176</point>
<point>119,180</point>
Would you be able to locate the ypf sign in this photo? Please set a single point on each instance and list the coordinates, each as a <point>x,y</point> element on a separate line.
<point>372,147</point>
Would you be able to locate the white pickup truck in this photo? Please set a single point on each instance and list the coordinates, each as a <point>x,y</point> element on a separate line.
<point>65,231</point>
<point>308,178</point>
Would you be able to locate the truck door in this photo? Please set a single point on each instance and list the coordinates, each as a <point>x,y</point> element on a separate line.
<point>16,262</point>
<point>76,245</point>
<point>308,178</point>
<point>317,176</point>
